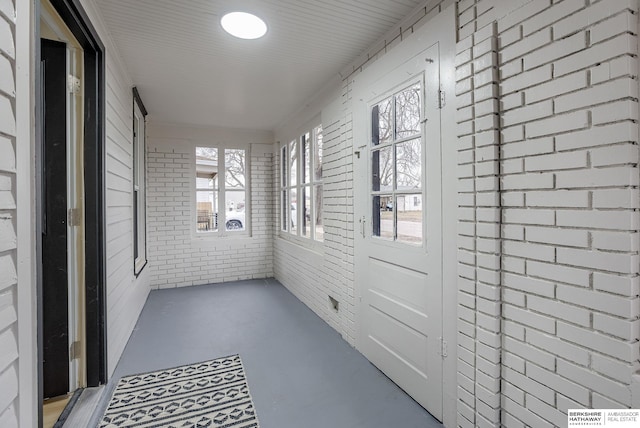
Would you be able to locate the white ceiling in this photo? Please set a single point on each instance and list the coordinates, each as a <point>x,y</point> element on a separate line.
<point>188,70</point>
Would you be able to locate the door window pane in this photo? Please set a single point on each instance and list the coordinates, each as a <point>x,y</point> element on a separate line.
<point>408,112</point>
<point>409,218</point>
<point>409,164</point>
<point>382,169</point>
<point>382,218</point>
<point>397,168</point>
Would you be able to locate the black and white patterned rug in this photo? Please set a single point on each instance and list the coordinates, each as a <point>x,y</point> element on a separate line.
<point>209,394</point>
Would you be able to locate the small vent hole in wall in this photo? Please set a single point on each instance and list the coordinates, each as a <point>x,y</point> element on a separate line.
<point>333,304</point>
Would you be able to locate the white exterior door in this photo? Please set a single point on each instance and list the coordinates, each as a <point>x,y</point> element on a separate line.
<point>398,214</point>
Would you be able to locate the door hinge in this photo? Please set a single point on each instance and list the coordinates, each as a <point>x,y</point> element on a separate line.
<point>73,84</point>
<point>443,348</point>
<point>74,217</point>
<point>74,351</point>
<point>441,98</point>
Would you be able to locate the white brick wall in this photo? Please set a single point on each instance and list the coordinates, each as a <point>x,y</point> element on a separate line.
<point>479,231</point>
<point>177,259</point>
<point>567,93</point>
<point>314,273</point>
<point>9,360</point>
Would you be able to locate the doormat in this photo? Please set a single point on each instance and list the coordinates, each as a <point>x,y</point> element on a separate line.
<point>208,394</point>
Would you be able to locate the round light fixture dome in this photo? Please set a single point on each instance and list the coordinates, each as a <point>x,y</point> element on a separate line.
<point>243,25</point>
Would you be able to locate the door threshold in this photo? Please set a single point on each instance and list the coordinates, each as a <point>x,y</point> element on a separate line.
<point>82,411</point>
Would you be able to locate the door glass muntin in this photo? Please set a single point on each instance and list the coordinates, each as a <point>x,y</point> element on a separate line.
<point>397,165</point>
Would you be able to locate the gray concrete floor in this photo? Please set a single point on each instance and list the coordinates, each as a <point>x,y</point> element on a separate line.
<point>300,371</point>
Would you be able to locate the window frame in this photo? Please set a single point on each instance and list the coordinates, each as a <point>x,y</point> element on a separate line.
<point>139,183</point>
<point>305,181</point>
<point>221,189</point>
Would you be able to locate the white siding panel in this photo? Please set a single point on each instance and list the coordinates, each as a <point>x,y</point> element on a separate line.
<point>8,341</point>
<point>9,418</point>
<point>9,357</point>
<point>118,214</point>
<point>9,390</point>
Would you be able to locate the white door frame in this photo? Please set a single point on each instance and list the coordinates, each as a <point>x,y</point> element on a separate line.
<point>75,193</point>
<point>444,25</point>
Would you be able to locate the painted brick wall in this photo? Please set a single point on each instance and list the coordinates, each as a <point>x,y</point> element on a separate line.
<point>566,95</point>
<point>315,272</point>
<point>479,246</point>
<point>337,265</point>
<point>177,259</point>
<point>8,276</point>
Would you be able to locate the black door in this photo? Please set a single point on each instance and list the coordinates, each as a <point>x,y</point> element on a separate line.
<point>55,333</point>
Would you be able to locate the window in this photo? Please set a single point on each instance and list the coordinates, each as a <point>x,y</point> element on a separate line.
<point>221,191</point>
<point>397,167</point>
<point>301,186</point>
<point>139,185</point>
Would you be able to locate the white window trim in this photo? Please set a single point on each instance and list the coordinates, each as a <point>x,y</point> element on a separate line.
<point>221,233</point>
<point>139,190</point>
<point>298,237</point>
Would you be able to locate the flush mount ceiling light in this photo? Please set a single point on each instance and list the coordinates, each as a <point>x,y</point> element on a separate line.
<point>243,25</point>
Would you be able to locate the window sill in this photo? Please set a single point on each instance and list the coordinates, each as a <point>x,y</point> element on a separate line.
<point>308,244</point>
<point>138,266</point>
<point>206,236</point>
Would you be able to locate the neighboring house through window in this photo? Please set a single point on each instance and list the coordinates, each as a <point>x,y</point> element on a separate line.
<point>301,186</point>
<point>221,191</point>
<point>139,184</point>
